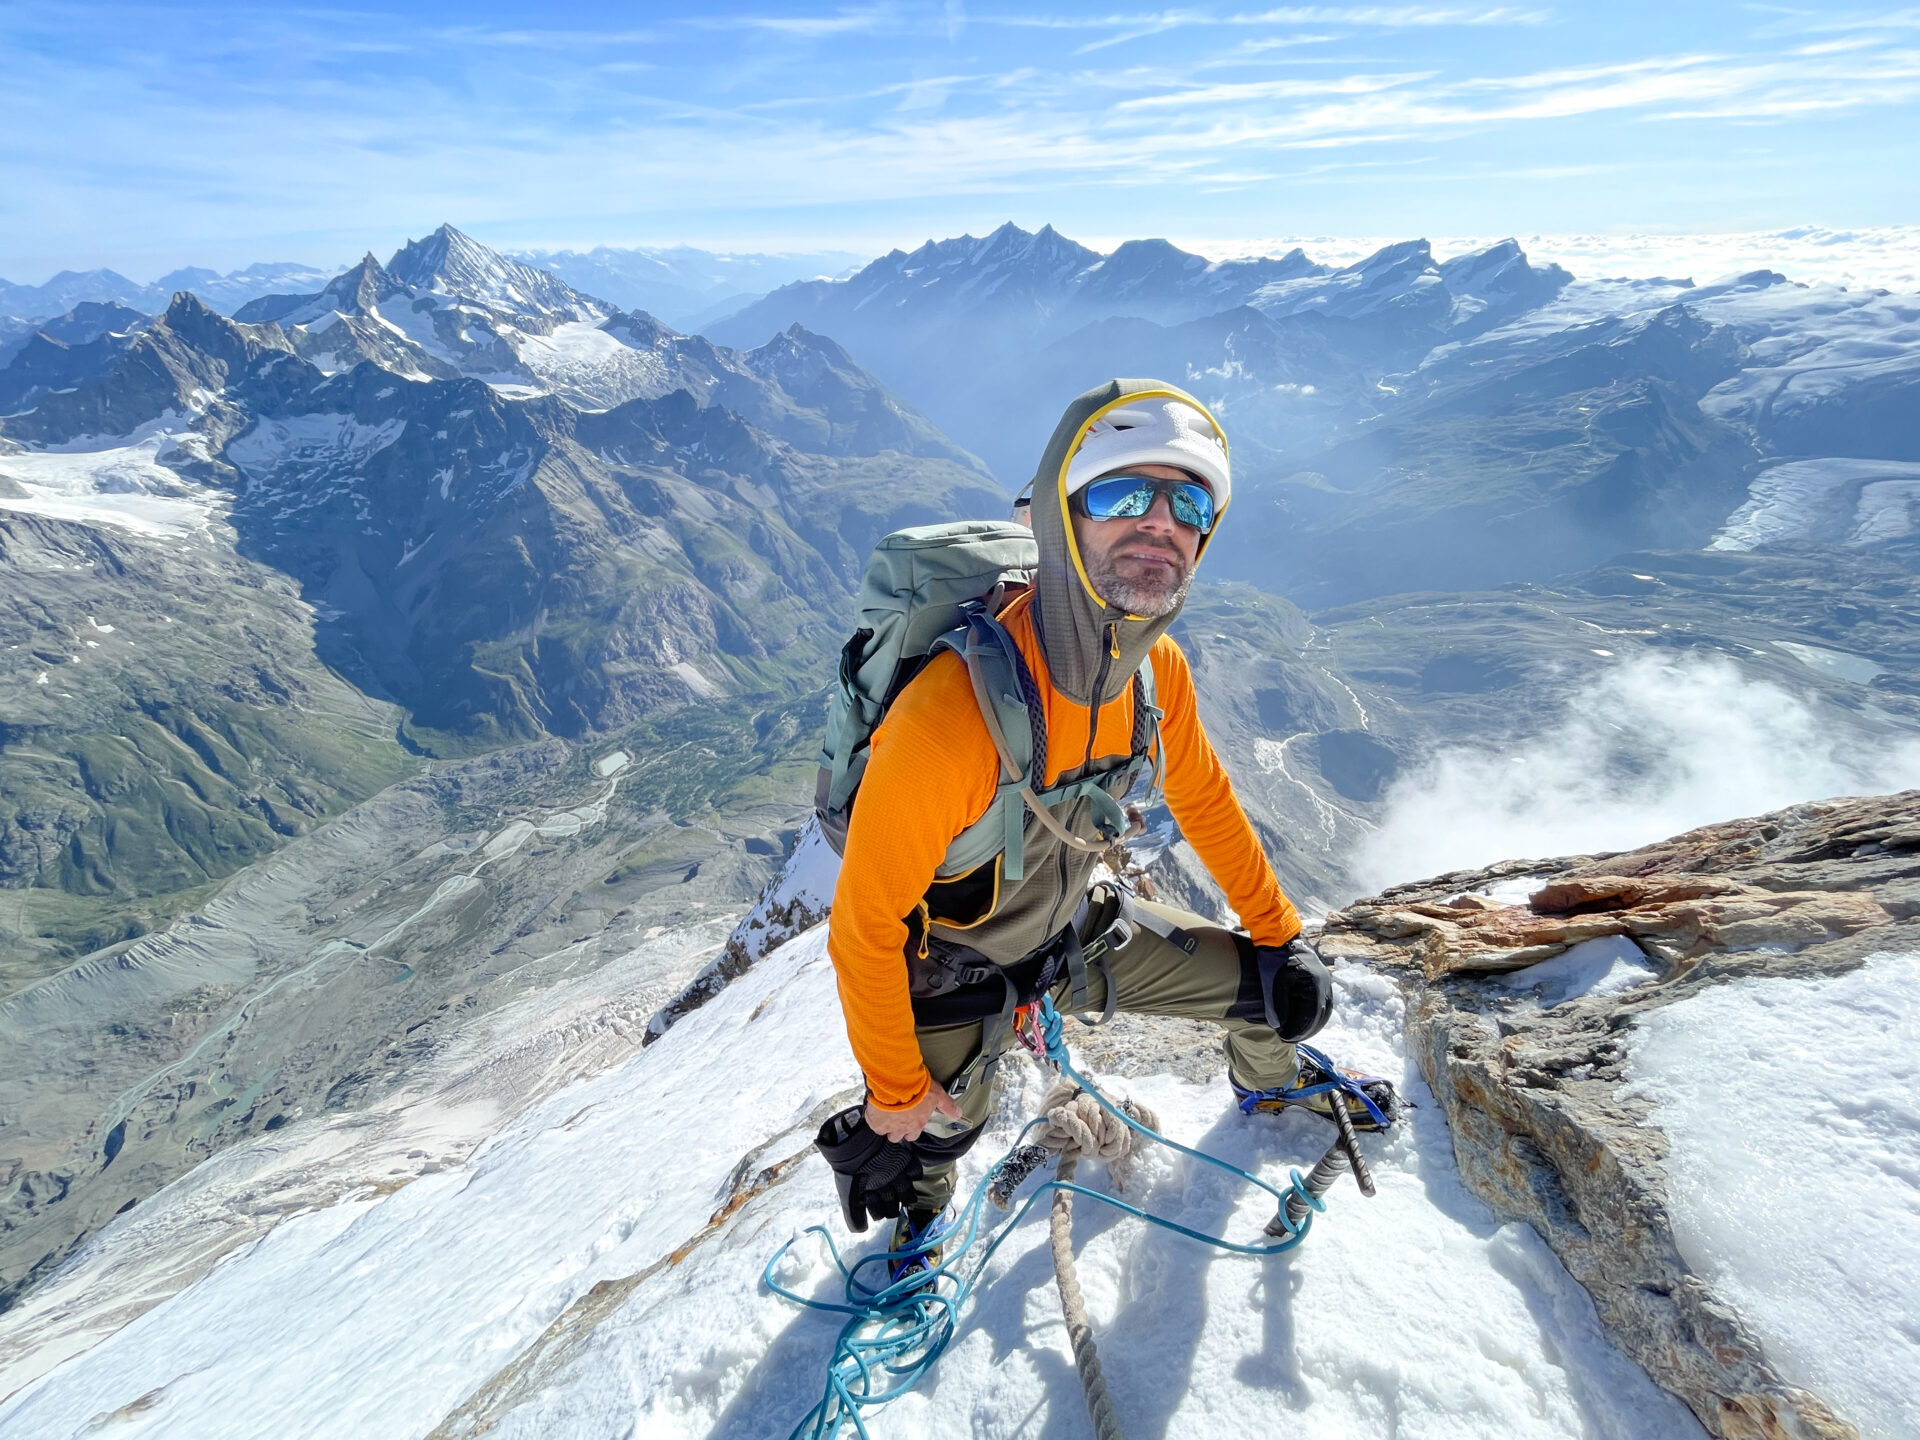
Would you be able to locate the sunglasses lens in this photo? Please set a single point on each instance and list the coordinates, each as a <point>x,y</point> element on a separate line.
<point>1120,498</point>
<point>1192,506</point>
<point>1123,497</point>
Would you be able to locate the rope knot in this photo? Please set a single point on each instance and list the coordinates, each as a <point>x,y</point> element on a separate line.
<point>1078,1125</point>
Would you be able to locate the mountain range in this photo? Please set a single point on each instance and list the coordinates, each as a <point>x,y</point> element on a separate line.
<point>402,463</point>
<point>223,292</point>
<point>1404,422</point>
<point>684,286</point>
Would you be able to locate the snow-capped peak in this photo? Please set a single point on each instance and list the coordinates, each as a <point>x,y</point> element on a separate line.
<point>454,264</point>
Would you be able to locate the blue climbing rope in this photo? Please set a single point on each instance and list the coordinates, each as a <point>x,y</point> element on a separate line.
<point>894,1333</point>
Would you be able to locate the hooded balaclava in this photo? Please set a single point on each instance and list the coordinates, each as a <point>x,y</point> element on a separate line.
<point>1073,621</point>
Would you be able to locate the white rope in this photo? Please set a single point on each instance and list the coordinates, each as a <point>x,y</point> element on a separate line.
<point>1076,1125</point>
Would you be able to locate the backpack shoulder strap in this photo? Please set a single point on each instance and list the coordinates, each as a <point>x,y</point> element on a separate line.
<point>1146,725</point>
<point>1005,693</point>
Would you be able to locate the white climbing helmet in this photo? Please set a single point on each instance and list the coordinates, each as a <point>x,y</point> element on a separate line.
<point>1154,430</point>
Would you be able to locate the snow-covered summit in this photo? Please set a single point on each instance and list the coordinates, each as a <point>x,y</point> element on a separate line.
<point>443,306</point>
<point>453,264</point>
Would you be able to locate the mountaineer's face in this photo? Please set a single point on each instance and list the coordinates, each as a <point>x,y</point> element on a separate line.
<point>1142,564</point>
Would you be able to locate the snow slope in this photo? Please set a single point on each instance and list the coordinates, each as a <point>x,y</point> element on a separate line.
<point>122,483</point>
<point>665,1181</point>
<point>1810,1223</point>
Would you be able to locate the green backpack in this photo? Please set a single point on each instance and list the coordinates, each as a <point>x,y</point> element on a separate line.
<point>935,587</point>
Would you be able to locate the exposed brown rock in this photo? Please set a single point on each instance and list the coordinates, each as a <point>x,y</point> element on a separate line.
<point>1541,1127</point>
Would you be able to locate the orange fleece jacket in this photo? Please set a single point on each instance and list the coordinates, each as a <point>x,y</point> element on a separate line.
<point>933,772</point>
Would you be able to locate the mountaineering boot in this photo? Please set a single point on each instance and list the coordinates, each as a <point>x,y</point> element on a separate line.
<point>912,1231</point>
<point>1371,1102</point>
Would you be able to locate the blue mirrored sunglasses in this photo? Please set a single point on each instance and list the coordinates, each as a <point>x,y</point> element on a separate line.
<point>1125,497</point>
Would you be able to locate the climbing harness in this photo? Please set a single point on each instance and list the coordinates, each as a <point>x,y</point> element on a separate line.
<point>895,1332</point>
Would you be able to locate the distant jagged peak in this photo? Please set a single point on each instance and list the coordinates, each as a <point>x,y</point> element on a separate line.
<point>451,263</point>
<point>358,290</point>
<point>199,326</point>
<point>1008,247</point>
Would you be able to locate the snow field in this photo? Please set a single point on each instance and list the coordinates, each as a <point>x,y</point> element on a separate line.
<point>122,485</point>
<point>1415,1314</point>
<point>1806,1220</point>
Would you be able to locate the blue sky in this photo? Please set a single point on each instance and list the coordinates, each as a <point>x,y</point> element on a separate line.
<point>148,136</point>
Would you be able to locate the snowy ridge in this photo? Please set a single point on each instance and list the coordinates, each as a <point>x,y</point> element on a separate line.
<point>593,1269</point>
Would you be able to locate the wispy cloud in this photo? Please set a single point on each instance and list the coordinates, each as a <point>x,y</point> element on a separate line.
<point>337,123</point>
<point>1389,17</point>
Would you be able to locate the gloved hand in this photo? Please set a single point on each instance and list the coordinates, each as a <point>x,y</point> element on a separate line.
<point>1297,987</point>
<point>873,1174</point>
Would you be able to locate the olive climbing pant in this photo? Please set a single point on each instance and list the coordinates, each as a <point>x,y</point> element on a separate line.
<point>1153,976</point>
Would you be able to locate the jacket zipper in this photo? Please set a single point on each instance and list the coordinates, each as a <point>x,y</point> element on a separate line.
<point>1107,657</point>
<point>1060,884</point>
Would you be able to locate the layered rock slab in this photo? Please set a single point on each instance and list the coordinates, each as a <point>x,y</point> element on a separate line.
<point>1545,1128</point>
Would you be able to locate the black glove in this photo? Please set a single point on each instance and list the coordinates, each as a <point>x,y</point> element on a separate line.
<point>874,1175</point>
<point>1296,986</point>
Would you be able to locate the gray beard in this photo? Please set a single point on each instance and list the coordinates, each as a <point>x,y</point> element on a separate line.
<point>1139,597</point>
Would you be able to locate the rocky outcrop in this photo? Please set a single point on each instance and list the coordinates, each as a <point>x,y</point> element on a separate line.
<point>1542,1126</point>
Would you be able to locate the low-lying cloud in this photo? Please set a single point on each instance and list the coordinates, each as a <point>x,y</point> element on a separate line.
<point>1653,747</point>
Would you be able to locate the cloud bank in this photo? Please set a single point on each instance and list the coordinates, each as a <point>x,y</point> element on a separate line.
<point>1653,747</point>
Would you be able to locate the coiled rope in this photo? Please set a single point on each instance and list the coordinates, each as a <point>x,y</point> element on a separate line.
<point>894,1333</point>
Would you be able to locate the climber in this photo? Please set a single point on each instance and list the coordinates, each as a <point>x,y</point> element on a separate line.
<point>1127,496</point>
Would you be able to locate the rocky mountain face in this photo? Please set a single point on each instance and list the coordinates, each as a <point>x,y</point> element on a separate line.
<point>177,366</point>
<point>1531,1073</point>
<point>558,571</point>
